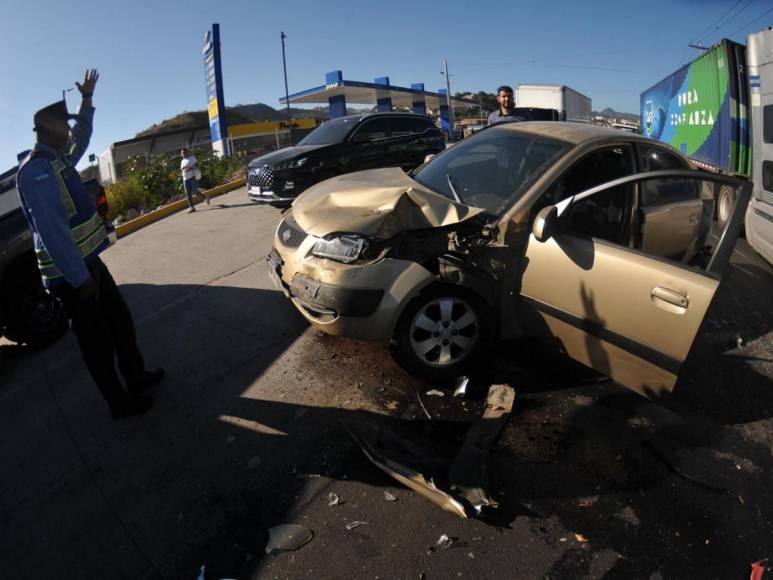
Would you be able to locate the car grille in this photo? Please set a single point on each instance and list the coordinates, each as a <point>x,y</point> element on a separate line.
<point>262,177</point>
<point>290,234</point>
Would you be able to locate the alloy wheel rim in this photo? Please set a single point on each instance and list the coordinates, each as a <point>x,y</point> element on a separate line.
<point>444,331</point>
<point>725,206</point>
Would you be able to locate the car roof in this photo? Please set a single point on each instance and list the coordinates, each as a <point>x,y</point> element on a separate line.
<point>574,133</point>
<point>363,116</point>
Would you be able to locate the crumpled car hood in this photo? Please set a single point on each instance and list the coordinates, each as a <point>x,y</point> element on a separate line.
<point>378,203</point>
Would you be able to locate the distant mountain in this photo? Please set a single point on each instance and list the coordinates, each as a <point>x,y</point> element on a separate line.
<point>609,112</point>
<point>240,114</point>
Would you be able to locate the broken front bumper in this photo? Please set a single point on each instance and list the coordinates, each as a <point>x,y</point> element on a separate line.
<point>359,301</point>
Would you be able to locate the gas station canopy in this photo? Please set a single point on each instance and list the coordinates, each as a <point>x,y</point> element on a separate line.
<point>337,92</point>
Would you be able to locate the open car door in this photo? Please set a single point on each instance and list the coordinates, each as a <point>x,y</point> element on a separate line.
<point>628,314</point>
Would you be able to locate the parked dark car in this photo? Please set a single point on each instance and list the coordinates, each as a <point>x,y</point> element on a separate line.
<point>343,145</point>
<point>28,313</point>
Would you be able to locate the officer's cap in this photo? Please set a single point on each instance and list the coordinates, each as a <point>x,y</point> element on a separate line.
<point>51,114</point>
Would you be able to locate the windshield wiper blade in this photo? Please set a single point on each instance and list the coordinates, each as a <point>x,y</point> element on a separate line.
<point>450,181</point>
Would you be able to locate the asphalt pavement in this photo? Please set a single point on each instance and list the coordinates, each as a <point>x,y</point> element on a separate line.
<point>247,432</point>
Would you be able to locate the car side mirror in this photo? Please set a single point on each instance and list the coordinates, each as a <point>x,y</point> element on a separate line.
<point>429,157</point>
<point>545,224</point>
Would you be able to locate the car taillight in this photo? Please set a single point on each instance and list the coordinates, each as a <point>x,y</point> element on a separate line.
<point>102,205</point>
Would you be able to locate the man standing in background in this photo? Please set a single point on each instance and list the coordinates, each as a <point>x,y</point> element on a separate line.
<point>189,168</point>
<point>506,110</point>
<point>68,236</point>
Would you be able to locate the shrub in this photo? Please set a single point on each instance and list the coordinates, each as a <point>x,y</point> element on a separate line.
<point>153,181</point>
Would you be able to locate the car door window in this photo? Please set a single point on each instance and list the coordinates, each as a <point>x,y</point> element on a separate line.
<point>605,216</point>
<point>403,126</point>
<point>372,130</point>
<point>662,191</point>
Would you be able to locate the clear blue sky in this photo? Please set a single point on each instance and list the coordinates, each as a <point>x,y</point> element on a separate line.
<point>150,63</point>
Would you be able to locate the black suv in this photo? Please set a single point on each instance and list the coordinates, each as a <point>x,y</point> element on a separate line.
<point>339,146</point>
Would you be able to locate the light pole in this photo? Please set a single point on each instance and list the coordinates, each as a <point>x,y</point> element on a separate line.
<point>284,65</point>
<point>444,72</point>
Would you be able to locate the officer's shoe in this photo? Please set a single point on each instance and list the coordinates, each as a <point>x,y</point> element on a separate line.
<point>130,406</point>
<point>146,380</point>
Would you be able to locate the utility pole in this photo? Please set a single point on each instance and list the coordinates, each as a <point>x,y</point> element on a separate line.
<point>284,65</point>
<point>448,98</point>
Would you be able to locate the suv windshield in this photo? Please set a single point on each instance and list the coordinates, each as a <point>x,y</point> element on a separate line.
<point>330,132</point>
<point>491,170</point>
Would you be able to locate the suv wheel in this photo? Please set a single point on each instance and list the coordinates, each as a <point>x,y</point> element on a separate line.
<point>442,333</point>
<point>35,317</point>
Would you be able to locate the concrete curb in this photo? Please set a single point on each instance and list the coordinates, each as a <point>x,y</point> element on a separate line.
<point>167,210</point>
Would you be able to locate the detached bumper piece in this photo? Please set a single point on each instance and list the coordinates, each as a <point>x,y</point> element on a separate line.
<point>452,477</point>
<point>330,300</point>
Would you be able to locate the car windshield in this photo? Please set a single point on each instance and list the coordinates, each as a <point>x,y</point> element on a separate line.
<point>331,132</point>
<point>491,170</point>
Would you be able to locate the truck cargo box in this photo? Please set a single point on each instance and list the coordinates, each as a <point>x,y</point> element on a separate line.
<point>701,110</point>
<point>570,104</point>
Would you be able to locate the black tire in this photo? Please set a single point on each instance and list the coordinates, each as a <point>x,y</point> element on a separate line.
<point>414,336</point>
<point>725,204</point>
<point>33,316</point>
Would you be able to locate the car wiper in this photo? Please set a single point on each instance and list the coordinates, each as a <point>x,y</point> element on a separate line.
<point>450,181</point>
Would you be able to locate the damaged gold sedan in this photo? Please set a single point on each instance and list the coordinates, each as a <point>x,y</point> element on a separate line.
<point>594,240</point>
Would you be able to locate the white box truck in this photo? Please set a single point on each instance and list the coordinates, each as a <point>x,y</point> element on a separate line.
<point>570,104</point>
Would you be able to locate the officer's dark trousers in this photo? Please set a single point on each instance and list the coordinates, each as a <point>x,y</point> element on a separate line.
<point>105,332</point>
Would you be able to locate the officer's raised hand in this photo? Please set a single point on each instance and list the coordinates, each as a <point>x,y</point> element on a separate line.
<point>89,82</point>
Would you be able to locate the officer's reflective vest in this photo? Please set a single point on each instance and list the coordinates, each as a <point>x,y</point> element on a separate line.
<point>87,229</point>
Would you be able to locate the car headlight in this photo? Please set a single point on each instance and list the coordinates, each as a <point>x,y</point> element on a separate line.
<point>346,248</point>
<point>292,164</point>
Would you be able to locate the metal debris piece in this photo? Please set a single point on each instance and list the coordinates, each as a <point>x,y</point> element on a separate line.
<point>389,497</point>
<point>435,393</point>
<point>444,542</point>
<point>287,538</point>
<point>423,408</point>
<point>355,524</point>
<point>333,499</point>
<point>460,386</point>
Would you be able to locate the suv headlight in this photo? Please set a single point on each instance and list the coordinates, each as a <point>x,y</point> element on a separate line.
<point>292,164</point>
<point>346,248</point>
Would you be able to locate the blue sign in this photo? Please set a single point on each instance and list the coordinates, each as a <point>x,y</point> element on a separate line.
<point>214,82</point>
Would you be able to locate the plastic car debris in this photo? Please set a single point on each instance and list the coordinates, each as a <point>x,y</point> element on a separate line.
<point>287,538</point>
<point>460,386</point>
<point>389,497</point>
<point>454,481</point>
<point>758,569</point>
<point>355,524</point>
<point>333,499</point>
<point>435,393</point>
<point>580,538</point>
<point>444,542</point>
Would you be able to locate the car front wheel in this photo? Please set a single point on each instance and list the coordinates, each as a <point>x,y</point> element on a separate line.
<point>441,334</point>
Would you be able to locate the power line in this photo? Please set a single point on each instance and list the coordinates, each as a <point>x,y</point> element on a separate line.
<point>760,17</point>
<point>734,16</point>
<point>707,29</point>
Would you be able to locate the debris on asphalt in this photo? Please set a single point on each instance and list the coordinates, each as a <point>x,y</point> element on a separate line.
<point>355,524</point>
<point>580,538</point>
<point>673,468</point>
<point>423,408</point>
<point>287,538</point>
<point>435,393</point>
<point>739,342</point>
<point>389,497</point>
<point>392,405</point>
<point>460,386</point>
<point>444,542</point>
<point>333,499</point>
<point>454,478</point>
<point>758,569</point>
<point>202,573</point>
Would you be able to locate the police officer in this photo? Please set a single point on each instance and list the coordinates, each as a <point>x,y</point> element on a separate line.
<point>69,235</point>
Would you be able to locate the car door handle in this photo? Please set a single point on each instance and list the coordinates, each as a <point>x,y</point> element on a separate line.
<point>670,296</point>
